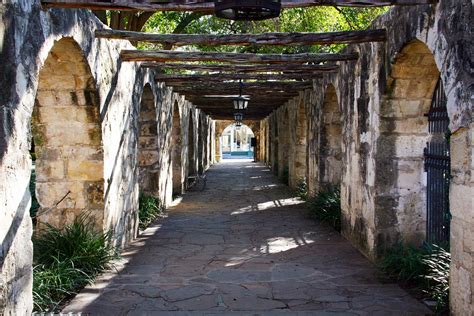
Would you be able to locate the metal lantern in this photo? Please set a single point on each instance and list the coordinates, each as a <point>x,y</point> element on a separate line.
<point>247,10</point>
<point>238,116</point>
<point>241,102</point>
<point>238,124</point>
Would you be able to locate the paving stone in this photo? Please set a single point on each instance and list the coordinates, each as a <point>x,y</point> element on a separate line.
<point>232,250</point>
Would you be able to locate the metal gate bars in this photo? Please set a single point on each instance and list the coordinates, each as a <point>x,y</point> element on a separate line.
<point>438,169</point>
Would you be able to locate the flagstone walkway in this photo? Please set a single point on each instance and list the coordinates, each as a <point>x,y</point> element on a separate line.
<point>242,245</point>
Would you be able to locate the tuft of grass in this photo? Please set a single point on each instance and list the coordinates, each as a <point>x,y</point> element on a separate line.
<point>54,283</point>
<point>404,263</point>
<point>326,206</point>
<point>437,276</point>
<point>67,259</point>
<point>149,209</point>
<point>426,268</point>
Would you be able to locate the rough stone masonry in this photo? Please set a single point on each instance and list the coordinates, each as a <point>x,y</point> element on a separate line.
<point>366,130</point>
<point>70,95</point>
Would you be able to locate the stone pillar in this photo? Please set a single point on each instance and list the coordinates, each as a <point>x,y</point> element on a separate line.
<point>462,223</point>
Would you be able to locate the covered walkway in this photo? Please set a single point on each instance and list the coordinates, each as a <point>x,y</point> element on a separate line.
<point>243,244</point>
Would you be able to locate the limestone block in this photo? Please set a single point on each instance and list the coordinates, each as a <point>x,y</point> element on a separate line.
<point>461,199</point>
<point>148,143</point>
<point>89,170</point>
<point>148,158</point>
<point>407,146</point>
<point>50,193</point>
<point>460,150</point>
<point>95,194</point>
<point>46,98</point>
<point>47,170</point>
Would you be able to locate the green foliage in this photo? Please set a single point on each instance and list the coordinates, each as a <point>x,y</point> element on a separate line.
<point>55,282</point>
<point>149,209</point>
<point>326,206</point>
<point>302,189</point>
<point>404,263</point>
<point>34,202</point>
<point>437,276</point>
<point>426,267</point>
<point>315,19</point>
<point>67,259</point>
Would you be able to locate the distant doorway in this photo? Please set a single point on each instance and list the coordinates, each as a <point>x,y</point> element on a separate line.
<point>236,142</point>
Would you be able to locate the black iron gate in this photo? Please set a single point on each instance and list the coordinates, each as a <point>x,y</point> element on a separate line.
<point>438,169</point>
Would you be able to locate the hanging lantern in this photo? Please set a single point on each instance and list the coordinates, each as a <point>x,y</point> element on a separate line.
<point>241,102</point>
<point>238,116</point>
<point>247,10</point>
<point>238,124</point>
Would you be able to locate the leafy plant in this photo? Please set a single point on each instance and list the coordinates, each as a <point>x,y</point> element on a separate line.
<point>149,209</point>
<point>67,259</point>
<point>404,263</point>
<point>55,282</point>
<point>326,206</point>
<point>302,189</point>
<point>437,276</point>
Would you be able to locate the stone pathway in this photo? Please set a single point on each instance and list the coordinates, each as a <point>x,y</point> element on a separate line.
<point>242,245</point>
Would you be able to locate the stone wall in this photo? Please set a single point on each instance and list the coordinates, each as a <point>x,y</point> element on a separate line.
<point>367,131</point>
<point>102,133</point>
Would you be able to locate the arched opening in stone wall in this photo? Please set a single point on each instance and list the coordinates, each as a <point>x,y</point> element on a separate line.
<point>176,150</point>
<point>401,205</point>
<point>274,150</point>
<point>236,142</point>
<point>148,162</point>
<point>67,138</point>
<point>330,153</point>
<point>298,176</point>
<point>191,145</point>
<point>201,144</point>
<point>284,147</point>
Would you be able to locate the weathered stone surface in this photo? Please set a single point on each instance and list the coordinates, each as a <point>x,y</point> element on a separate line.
<point>286,263</point>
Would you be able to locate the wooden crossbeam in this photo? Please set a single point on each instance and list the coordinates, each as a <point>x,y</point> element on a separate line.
<point>208,6</point>
<point>233,58</point>
<point>222,77</point>
<point>247,86</point>
<point>285,39</point>
<point>243,68</point>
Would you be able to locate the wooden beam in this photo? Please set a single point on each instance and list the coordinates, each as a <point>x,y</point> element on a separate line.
<point>256,87</point>
<point>208,6</point>
<point>243,68</point>
<point>284,39</point>
<point>223,77</point>
<point>233,58</point>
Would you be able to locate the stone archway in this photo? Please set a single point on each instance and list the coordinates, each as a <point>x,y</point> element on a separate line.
<point>298,167</point>
<point>400,178</point>
<point>330,153</point>
<point>284,146</point>
<point>148,161</point>
<point>176,151</point>
<point>191,145</point>
<point>67,135</point>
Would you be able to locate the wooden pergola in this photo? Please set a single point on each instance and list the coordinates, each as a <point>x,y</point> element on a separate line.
<point>211,79</point>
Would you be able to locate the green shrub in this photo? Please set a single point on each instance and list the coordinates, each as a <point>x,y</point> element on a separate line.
<point>326,206</point>
<point>437,276</point>
<point>426,267</point>
<point>302,189</point>
<point>404,263</point>
<point>67,259</point>
<point>55,282</point>
<point>149,209</point>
